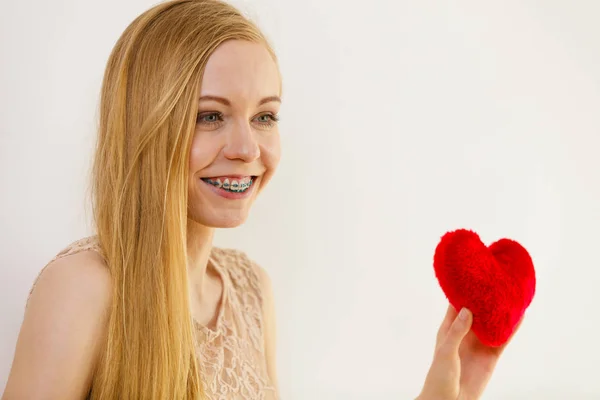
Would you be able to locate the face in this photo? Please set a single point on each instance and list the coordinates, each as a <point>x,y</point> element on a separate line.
<point>235,149</point>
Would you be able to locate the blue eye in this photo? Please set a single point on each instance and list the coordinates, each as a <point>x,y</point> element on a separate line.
<point>270,119</point>
<point>209,118</point>
<point>214,118</point>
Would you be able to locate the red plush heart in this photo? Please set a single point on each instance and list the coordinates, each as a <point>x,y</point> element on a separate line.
<point>497,283</point>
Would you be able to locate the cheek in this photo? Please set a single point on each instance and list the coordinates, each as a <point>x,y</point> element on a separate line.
<point>271,152</point>
<point>202,153</point>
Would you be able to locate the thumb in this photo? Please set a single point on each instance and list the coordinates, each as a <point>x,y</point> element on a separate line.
<point>458,330</point>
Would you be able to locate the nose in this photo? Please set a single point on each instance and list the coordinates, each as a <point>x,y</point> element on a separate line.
<point>242,144</point>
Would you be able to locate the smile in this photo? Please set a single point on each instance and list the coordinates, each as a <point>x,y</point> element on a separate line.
<point>236,187</point>
<point>240,185</point>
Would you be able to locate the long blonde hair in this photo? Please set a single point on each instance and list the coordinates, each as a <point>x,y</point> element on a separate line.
<point>148,110</point>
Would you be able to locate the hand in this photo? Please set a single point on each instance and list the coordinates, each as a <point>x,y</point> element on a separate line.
<point>462,366</point>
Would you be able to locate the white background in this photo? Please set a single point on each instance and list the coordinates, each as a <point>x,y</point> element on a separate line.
<point>401,120</point>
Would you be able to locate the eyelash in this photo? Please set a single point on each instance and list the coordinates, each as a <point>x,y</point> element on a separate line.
<point>273,119</point>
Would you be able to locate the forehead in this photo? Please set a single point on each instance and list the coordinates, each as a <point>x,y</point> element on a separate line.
<point>241,70</point>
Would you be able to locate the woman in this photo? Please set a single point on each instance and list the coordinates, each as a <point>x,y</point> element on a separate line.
<point>147,308</point>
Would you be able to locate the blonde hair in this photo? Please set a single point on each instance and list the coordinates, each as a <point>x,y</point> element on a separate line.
<point>148,109</point>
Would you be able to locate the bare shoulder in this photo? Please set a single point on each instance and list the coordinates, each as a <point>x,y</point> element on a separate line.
<point>81,276</point>
<point>62,330</point>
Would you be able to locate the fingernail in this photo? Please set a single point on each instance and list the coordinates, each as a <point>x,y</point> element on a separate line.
<point>463,315</point>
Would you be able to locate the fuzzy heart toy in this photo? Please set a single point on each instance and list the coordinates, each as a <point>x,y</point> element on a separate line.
<point>497,283</point>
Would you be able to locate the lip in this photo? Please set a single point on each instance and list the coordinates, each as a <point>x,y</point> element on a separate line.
<point>231,195</point>
<point>235,176</point>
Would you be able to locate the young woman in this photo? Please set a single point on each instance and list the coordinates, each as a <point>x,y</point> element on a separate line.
<point>147,307</point>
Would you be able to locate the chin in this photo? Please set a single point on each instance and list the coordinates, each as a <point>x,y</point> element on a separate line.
<point>227,223</point>
<point>223,219</point>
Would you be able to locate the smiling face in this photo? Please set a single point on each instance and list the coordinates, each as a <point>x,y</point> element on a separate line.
<point>235,149</point>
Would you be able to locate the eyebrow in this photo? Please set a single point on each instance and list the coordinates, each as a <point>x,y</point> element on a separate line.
<point>226,102</point>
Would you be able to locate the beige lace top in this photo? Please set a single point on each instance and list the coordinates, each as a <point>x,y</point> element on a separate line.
<point>231,356</point>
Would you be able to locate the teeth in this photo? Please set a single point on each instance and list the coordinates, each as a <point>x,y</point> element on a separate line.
<point>233,186</point>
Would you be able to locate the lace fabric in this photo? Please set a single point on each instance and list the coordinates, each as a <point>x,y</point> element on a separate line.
<point>231,356</point>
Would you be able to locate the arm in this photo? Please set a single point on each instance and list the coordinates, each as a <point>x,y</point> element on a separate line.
<point>269,325</point>
<point>62,330</point>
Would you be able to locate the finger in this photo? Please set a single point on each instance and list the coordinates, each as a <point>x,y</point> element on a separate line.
<point>458,330</point>
<point>446,324</point>
<point>448,318</point>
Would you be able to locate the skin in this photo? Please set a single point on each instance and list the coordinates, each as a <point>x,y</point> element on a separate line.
<point>66,318</point>
<point>67,314</point>
<point>462,366</point>
<point>236,135</point>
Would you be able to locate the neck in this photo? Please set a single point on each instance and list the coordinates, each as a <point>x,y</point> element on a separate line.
<point>199,244</point>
